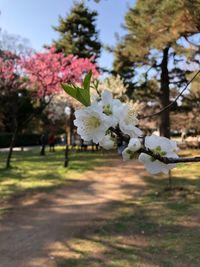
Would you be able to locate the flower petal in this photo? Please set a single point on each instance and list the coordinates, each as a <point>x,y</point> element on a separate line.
<point>154,167</point>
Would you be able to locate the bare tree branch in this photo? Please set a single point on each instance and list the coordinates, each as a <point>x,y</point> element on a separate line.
<point>172,103</point>
<point>190,42</point>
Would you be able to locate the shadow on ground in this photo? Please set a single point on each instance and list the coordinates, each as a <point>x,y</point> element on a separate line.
<point>159,228</point>
<point>115,217</point>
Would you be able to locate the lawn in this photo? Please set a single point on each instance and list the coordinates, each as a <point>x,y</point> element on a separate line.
<point>158,229</point>
<point>32,172</point>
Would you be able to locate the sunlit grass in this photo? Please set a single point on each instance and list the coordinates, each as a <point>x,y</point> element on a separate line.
<point>32,172</point>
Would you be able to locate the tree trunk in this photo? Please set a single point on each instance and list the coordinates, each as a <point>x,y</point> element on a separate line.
<point>164,96</point>
<point>71,125</point>
<point>42,152</point>
<point>12,143</point>
<point>66,161</point>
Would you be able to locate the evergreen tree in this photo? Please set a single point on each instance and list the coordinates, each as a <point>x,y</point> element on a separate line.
<point>155,29</point>
<point>78,34</point>
<point>191,105</point>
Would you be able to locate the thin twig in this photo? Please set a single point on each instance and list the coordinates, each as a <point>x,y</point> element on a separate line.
<point>190,42</point>
<point>172,103</point>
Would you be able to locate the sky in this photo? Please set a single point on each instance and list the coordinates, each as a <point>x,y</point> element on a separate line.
<point>33,19</point>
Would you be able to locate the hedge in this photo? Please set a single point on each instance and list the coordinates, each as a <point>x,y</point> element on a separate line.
<point>22,140</point>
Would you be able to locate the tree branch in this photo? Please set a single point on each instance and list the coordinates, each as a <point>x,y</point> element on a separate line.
<point>167,160</point>
<point>190,42</point>
<point>172,103</point>
<point>154,155</point>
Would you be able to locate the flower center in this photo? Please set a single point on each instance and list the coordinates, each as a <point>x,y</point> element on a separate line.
<point>132,154</point>
<point>93,122</point>
<point>159,151</point>
<point>107,109</point>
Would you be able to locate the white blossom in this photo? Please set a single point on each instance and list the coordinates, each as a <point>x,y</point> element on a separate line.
<point>67,111</point>
<point>110,107</point>
<point>133,146</point>
<point>91,123</point>
<point>162,146</point>
<point>107,142</point>
<point>128,121</point>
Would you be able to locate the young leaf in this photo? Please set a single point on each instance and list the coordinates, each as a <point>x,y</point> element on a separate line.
<point>86,82</point>
<point>70,90</point>
<point>80,94</point>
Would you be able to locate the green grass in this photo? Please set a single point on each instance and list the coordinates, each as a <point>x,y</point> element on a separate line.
<point>32,172</point>
<point>158,228</point>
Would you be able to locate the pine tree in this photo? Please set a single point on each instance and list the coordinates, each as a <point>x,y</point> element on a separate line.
<point>191,105</point>
<point>78,34</point>
<point>155,28</point>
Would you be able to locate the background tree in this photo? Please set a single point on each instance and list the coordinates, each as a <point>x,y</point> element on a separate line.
<point>78,34</point>
<point>48,70</point>
<point>156,30</point>
<point>27,85</point>
<point>191,107</point>
<point>15,100</point>
<point>14,43</point>
<point>115,84</point>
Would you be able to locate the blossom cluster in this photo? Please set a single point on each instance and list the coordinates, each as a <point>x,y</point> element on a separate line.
<point>8,67</point>
<point>107,120</point>
<point>47,70</point>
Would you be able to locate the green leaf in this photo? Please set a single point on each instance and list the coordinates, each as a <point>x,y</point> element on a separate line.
<point>75,92</point>
<point>80,94</point>
<point>86,82</point>
<point>70,90</point>
<point>83,97</point>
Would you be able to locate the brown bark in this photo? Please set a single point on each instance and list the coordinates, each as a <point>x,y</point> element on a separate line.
<point>164,96</point>
<point>12,143</point>
<point>71,125</point>
<point>66,161</point>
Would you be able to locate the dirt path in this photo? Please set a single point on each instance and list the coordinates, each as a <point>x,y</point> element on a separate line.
<point>36,231</point>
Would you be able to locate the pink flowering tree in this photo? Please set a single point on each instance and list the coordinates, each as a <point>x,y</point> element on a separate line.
<point>8,71</point>
<point>48,70</point>
<point>42,75</point>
